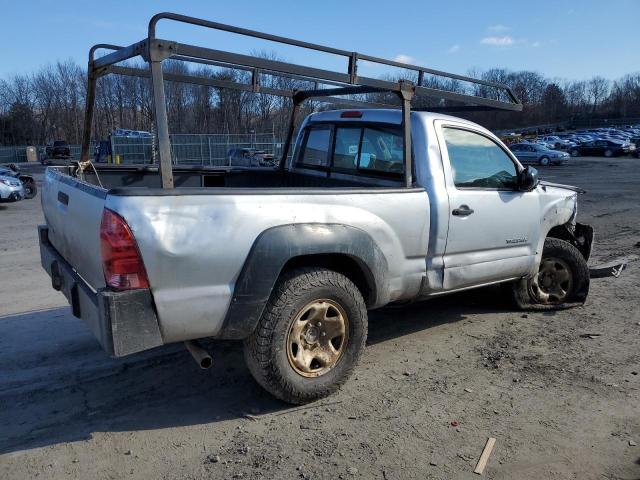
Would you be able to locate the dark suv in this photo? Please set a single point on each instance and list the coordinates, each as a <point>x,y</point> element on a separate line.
<point>57,149</point>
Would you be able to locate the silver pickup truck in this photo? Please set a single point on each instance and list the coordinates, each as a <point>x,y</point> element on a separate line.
<point>291,259</point>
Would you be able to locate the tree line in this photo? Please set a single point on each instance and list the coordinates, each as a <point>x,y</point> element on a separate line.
<point>49,103</point>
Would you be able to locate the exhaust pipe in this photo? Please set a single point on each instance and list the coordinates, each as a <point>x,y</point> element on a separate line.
<point>199,354</point>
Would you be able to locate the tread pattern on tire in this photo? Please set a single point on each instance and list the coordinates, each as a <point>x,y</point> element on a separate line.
<point>259,347</point>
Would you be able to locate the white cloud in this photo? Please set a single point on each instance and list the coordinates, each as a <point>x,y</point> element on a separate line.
<point>499,28</point>
<point>505,41</point>
<point>454,49</point>
<point>402,58</point>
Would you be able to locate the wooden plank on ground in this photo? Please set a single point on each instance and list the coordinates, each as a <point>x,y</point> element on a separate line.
<point>484,458</point>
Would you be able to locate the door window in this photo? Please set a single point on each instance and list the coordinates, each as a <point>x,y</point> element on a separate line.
<point>478,162</point>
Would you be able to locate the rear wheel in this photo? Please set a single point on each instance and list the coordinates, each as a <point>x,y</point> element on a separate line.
<point>310,336</point>
<point>608,153</point>
<point>562,278</point>
<point>574,153</point>
<point>544,161</point>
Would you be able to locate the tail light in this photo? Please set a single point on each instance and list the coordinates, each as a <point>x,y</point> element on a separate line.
<point>121,260</point>
<point>351,114</point>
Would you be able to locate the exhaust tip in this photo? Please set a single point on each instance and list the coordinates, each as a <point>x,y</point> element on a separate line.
<point>199,354</point>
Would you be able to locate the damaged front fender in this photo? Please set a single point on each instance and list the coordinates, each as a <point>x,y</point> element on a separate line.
<point>579,235</point>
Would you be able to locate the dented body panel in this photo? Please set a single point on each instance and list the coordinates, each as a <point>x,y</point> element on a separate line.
<point>213,255</point>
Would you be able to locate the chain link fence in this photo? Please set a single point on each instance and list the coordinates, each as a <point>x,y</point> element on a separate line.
<point>18,154</point>
<point>186,149</point>
<point>193,149</point>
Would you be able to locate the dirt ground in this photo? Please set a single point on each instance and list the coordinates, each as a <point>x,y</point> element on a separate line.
<point>560,405</point>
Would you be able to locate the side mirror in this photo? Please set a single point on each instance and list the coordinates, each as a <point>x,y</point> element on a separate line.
<point>528,179</point>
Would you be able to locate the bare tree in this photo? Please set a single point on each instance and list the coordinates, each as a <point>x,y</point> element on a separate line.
<point>597,89</point>
<point>49,104</point>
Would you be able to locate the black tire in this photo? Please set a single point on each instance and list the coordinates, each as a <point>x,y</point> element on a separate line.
<point>608,153</point>
<point>266,351</point>
<point>30,190</point>
<point>574,153</point>
<point>528,294</point>
<point>544,161</point>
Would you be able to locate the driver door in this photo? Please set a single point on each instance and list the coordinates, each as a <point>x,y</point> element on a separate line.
<point>493,227</point>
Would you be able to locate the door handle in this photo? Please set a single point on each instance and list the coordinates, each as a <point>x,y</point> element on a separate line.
<point>462,211</point>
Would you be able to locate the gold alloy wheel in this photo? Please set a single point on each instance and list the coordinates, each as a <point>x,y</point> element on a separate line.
<point>554,281</point>
<point>317,338</point>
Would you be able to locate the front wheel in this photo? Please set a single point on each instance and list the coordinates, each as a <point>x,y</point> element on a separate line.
<point>608,153</point>
<point>310,336</point>
<point>30,190</point>
<point>574,153</point>
<point>562,278</point>
<point>544,161</point>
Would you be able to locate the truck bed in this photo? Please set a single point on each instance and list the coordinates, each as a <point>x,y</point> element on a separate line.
<point>130,176</point>
<point>196,239</point>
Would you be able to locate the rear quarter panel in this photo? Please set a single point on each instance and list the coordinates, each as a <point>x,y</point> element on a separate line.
<point>194,246</point>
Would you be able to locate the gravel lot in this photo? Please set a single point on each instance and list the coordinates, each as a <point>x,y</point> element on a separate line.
<point>560,405</point>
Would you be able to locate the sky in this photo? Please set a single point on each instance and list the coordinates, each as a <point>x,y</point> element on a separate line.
<point>559,39</point>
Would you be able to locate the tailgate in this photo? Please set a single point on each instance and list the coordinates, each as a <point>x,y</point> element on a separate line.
<point>73,212</point>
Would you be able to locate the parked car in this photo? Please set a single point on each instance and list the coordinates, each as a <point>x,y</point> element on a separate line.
<point>607,148</point>
<point>249,157</point>
<point>548,145</point>
<point>11,189</point>
<point>555,141</point>
<point>57,149</point>
<point>28,182</point>
<point>538,154</point>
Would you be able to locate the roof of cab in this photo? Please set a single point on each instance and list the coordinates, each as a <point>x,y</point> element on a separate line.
<point>383,115</point>
<point>389,115</point>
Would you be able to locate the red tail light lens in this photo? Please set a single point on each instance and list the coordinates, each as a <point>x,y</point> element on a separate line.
<point>121,260</point>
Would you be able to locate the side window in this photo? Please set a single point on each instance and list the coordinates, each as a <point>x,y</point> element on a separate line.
<point>478,162</point>
<point>315,151</point>
<point>345,155</point>
<point>382,150</point>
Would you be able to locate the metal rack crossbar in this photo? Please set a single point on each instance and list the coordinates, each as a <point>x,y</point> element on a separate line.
<point>479,94</point>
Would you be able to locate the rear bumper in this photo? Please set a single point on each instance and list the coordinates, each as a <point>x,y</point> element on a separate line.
<point>123,322</point>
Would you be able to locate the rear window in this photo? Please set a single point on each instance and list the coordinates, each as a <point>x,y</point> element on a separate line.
<point>59,144</point>
<point>364,149</point>
<point>315,152</point>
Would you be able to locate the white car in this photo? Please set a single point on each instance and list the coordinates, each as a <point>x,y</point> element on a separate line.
<point>11,189</point>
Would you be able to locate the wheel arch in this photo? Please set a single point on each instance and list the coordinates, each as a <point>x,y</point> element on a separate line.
<point>354,268</point>
<point>348,250</point>
<point>577,234</point>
